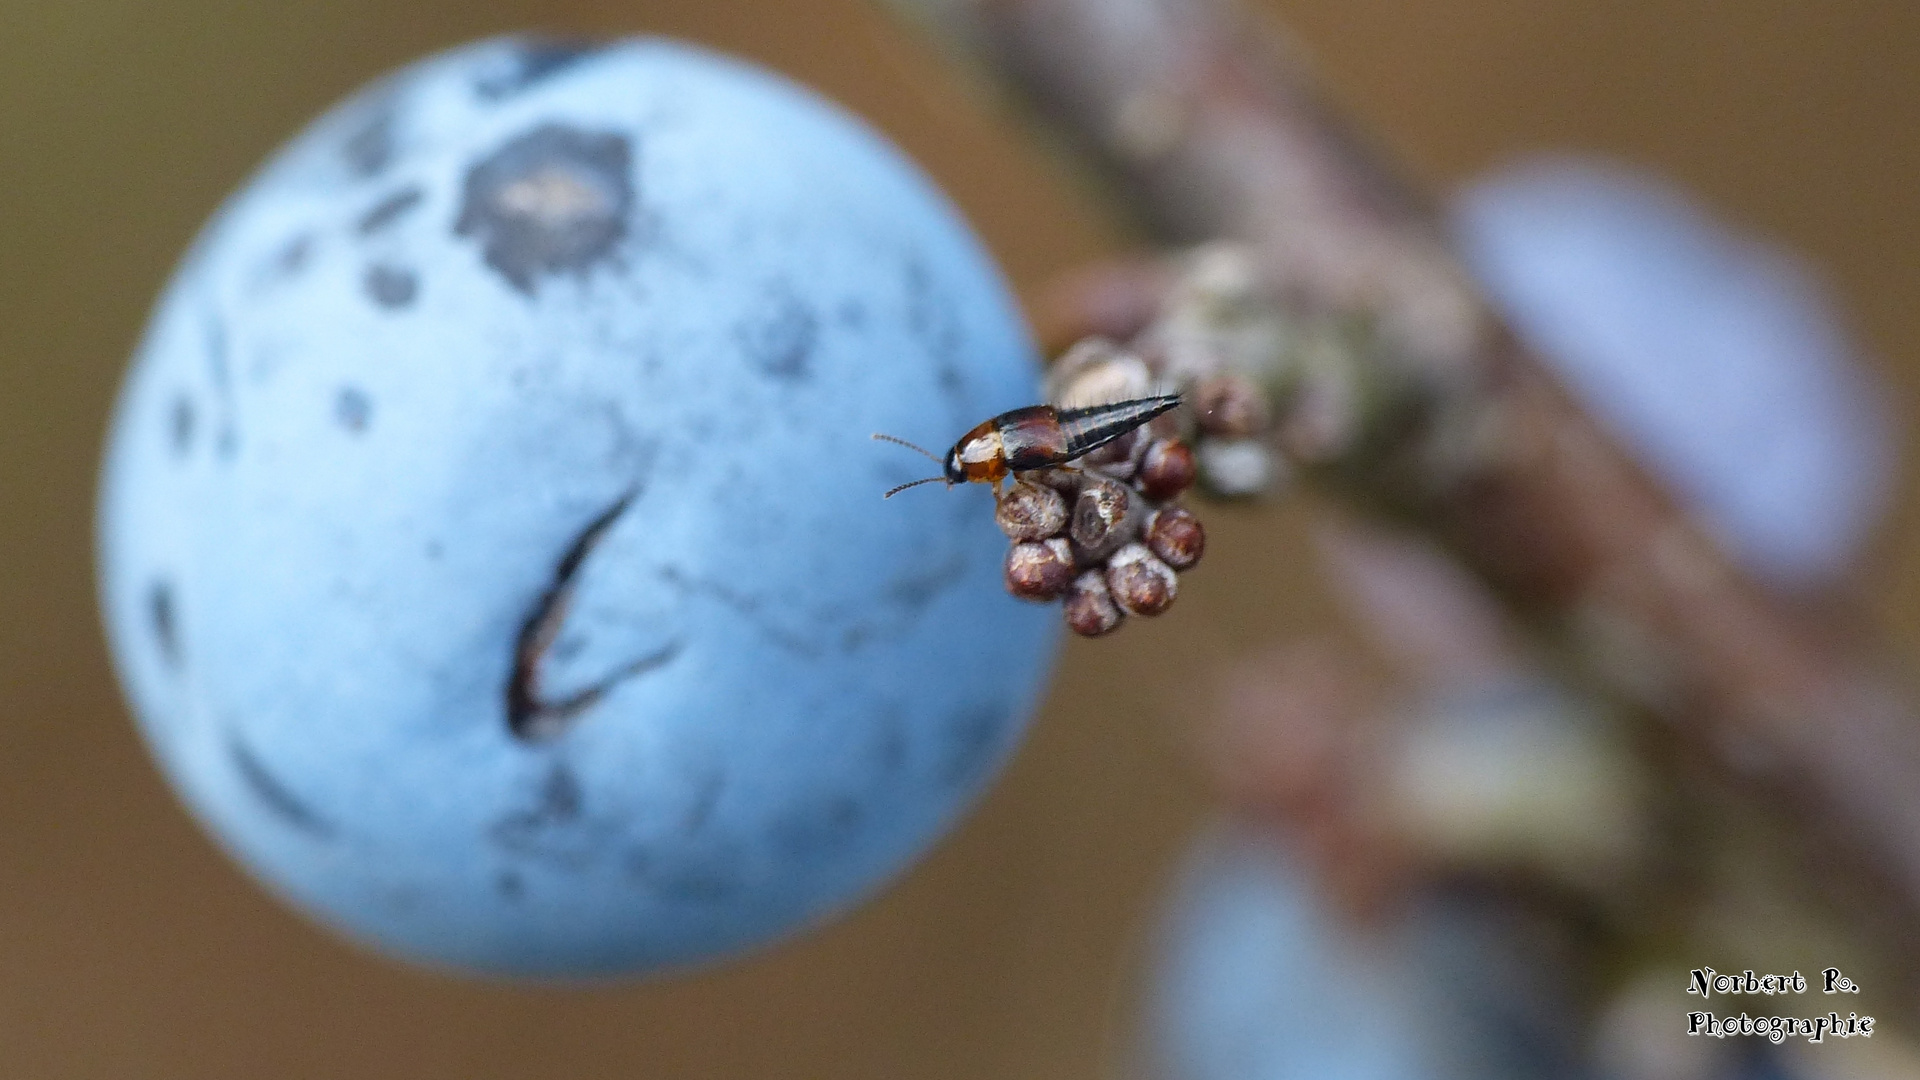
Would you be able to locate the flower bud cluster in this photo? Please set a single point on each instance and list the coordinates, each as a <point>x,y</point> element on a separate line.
<point>1269,380</point>
<point>1219,339</point>
<point>1104,535</point>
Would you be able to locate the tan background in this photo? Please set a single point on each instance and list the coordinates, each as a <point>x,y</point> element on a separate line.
<point>130,948</point>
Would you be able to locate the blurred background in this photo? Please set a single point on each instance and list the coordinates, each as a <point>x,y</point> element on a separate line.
<point>130,947</point>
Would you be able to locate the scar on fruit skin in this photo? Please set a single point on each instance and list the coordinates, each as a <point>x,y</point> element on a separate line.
<point>272,793</point>
<point>553,200</point>
<point>389,210</point>
<point>747,607</point>
<point>529,716</point>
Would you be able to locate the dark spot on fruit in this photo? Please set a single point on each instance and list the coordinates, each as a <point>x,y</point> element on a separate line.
<point>555,829</point>
<point>389,210</point>
<point>180,425</point>
<point>556,805</point>
<point>820,827</point>
<point>535,60</point>
<point>402,899</point>
<point>511,886</point>
<point>391,286</point>
<point>952,383</point>
<point>705,798</point>
<point>216,343</point>
<point>272,793</point>
<point>352,409</point>
<point>293,256</point>
<point>226,442</point>
<point>932,319</point>
<point>368,148</point>
<point>778,337</point>
<point>970,740</point>
<point>559,795</point>
<point>914,590</point>
<point>165,621</point>
<point>890,741</point>
<point>555,199</point>
<point>700,879</point>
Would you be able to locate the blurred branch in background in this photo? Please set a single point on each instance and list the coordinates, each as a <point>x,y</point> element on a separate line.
<point>1393,384</point>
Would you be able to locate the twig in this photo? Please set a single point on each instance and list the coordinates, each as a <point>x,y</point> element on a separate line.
<point>1207,124</point>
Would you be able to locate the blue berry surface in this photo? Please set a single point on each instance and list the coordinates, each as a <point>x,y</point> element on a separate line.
<point>491,540</point>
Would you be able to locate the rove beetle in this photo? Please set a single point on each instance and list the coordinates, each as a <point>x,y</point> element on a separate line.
<point>1035,437</point>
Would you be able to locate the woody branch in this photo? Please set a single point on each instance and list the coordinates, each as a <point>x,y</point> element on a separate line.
<point>1206,126</point>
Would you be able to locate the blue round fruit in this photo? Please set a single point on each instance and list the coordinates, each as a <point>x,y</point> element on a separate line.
<point>491,540</point>
<point>1715,357</point>
<point>1253,978</point>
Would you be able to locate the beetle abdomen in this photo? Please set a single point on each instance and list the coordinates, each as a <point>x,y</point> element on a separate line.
<point>1032,438</point>
<point>1093,427</point>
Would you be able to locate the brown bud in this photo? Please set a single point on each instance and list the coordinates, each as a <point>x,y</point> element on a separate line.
<point>1065,481</point>
<point>1118,458</point>
<point>1167,469</point>
<point>1096,371</point>
<point>1031,512</point>
<point>1100,518</point>
<point>1039,569</point>
<point>1176,537</point>
<point>1090,609</point>
<point>1140,583</point>
<point>1230,406</point>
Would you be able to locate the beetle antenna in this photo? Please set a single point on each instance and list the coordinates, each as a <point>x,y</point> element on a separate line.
<point>895,491</point>
<point>910,446</point>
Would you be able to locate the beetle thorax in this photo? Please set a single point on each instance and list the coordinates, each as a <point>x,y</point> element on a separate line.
<point>980,454</point>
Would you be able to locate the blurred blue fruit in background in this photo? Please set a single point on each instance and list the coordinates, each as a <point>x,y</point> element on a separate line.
<point>491,542</point>
<point>1718,362</point>
<point>1717,359</point>
<point>1255,979</point>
